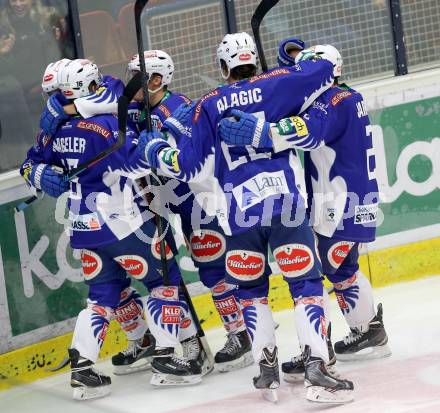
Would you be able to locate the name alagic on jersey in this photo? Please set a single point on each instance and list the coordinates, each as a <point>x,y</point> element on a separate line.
<point>239,180</point>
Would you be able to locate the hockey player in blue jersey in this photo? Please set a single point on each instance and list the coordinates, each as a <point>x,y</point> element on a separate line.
<point>205,239</point>
<point>343,195</point>
<point>111,228</point>
<point>256,198</point>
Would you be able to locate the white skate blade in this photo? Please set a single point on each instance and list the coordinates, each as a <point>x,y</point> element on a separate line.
<point>293,378</point>
<point>320,394</point>
<point>87,393</point>
<point>271,395</point>
<point>245,360</point>
<point>140,365</point>
<point>162,380</point>
<point>369,353</point>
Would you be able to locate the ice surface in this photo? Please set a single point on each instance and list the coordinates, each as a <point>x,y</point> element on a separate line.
<point>408,381</point>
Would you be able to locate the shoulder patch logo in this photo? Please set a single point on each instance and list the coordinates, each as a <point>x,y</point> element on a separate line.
<point>94,127</point>
<point>340,96</point>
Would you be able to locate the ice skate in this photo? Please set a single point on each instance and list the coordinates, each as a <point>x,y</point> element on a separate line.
<point>324,386</point>
<point>293,370</point>
<point>192,350</point>
<point>269,379</point>
<point>235,354</point>
<point>87,382</point>
<point>136,357</point>
<point>365,345</point>
<point>171,370</point>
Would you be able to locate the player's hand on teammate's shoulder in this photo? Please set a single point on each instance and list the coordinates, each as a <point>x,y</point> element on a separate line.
<point>245,129</point>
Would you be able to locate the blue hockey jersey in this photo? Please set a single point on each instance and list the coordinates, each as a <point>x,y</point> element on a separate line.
<point>339,163</point>
<point>241,186</point>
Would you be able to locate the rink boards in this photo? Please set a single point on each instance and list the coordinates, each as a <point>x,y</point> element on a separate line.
<point>40,280</point>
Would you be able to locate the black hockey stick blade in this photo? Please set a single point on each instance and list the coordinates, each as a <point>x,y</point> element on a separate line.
<point>23,205</point>
<point>262,9</point>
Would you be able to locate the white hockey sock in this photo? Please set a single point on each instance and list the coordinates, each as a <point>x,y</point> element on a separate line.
<point>259,323</point>
<point>187,325</point>
<point>311,325</point>
<point>228,306</point>
<point>130,314</point>
<point>90,330</point>
<point>163,312</point>
<point>355,299</point>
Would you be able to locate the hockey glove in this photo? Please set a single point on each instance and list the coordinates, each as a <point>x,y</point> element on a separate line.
<point>246,129</point>
<point>53,114</point>
<point>177,121</point>
<point>150,144</point>
<point>291,43</point>
<point>49,180</point>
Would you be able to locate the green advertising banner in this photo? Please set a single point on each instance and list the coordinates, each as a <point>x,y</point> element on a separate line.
<point>41,274</point>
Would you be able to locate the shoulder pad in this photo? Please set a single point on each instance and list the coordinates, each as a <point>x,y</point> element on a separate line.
<point>340,96</point>
<point>94,127</point>
<point>201,101</point>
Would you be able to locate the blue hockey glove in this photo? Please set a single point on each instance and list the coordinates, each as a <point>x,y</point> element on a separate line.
<point>53,114</point>
<point>177,121</point>
<point>291,43</point>
<point>247,129</point>
<point>49,180</point>
<point>150,144</point>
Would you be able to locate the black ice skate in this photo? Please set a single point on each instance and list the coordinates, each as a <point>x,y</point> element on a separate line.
<point>87,382</point>
<point>236,353</point>
<point>322,385</point>
<point>269,379</point>
<point>192,350</point>
<point>365,345</point>
<point>293,370</point>
<point>136,357</point>
<point>171,370</point>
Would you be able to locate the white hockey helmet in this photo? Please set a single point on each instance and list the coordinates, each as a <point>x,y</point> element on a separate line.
<point>50,76</point>
<point>236,49</point>
<point>76,76</point>
<point>156,62</point>
<point>324,51</point>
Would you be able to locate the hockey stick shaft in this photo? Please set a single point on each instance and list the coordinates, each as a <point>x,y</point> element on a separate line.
<point>260,12</point>
<point>129,91</point>
<point>138,8</point>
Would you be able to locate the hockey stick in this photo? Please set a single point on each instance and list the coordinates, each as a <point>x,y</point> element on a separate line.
<point>138,8</point>
<point>262,9</point>
<point>129,91</point>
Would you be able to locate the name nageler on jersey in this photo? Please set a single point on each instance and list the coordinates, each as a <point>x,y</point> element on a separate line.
<point>69,144</point>
<point>242,98</point>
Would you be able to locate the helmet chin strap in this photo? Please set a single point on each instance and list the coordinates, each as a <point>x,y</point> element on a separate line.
<point>156,90</point>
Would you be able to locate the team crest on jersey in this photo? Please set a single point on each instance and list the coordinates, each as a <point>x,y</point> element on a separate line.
<point>91,264</point>
<point>245,265</point>
<point>135,265</point>
<point>207,245</point>
<point>294,260</point>
<point>338,252</point>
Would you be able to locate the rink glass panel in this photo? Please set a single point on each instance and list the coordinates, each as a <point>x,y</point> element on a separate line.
<point>421,22</point>
<point>359,29</point>
<point>27,45</point>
